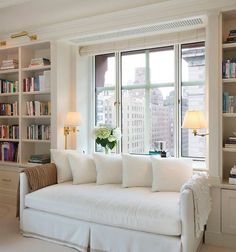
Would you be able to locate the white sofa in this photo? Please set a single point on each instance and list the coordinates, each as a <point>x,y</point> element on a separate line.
<point>109,217</point>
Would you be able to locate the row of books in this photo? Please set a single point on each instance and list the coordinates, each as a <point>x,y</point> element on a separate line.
<point>36,108</point>
<point>9,151</point>
<point>232,36</point>
<point>7,86</point>
<point>9,64</point>
<point>229,103</point>
<point>38,83</point>
<point>230,142</point>
<point>9,109</point>
<point>229,68</point>
<point>9,131</point>
<point>38,132</point>
<point>39,62</point>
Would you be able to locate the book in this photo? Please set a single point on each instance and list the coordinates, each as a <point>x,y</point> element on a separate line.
<point>39,159</point>
<point>9,64</point>
<point>38,132</point>
<point>9,151</point>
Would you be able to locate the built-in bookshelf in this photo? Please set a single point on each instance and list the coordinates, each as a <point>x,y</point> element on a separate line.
<point>228,96</point>
<point>25,103</point>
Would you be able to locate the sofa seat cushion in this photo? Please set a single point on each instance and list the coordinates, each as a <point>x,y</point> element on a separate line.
<point>133,208</point>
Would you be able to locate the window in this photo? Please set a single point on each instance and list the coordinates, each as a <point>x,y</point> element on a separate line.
<point>143,100</point>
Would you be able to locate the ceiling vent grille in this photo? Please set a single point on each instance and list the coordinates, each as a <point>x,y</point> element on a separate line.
<point>173,26</point>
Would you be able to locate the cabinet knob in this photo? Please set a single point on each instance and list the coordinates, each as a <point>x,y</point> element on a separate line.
<point>6,180</point>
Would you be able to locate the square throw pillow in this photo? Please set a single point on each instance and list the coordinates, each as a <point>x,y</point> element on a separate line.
<point>109,168</point>
<point>169,174</point>
<point>59,157</point>
<point>83,168</point>
<point>137,171</point>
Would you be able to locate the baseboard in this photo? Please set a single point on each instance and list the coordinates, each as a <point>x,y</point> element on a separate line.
<point>220,239</point>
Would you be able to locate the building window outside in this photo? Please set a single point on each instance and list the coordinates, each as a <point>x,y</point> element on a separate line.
<point>146,94</point>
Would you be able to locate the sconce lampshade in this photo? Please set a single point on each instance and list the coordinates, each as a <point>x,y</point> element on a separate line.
<point>72,119</point>
<point>194,120</point>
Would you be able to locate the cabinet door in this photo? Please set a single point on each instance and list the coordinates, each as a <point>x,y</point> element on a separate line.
<point>228,211</point>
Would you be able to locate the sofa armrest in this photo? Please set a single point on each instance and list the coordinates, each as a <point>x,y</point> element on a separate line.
<point>24,189</point>
<point>187,221</point>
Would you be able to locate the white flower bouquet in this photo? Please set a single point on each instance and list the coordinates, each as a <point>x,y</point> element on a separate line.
<point>107,136</point>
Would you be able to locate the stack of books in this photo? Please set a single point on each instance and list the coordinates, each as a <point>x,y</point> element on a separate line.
<point>39,159</point>
<point>229,103</point>
<point>38,83</point>
<point>39,62</point>
<point>232,175</point>
<point>36,108</point>
<point>38,132</point>
<point>231,37</point>
<point>9,131</point>
<point>9,109</point>
<point>7,86</point>
<point>9,151</point>
<point>9,64</point>
<point>230,142</point>
<point>229,68</point>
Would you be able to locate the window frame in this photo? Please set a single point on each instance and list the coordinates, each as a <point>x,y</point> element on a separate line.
<point>177,84</point>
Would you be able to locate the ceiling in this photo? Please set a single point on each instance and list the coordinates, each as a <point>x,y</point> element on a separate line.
<point>17,15</point>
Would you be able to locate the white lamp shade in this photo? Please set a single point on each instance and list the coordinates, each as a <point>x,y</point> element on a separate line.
<point>194,120</point>
<point>72,119</point>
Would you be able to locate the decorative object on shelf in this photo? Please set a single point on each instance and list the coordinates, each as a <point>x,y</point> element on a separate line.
<point>72,121</point>
<point>231,37</point>
<point>232,175</point>
<point>24,34</point>
<point>194,120</point>
<point>3,43</point>
<point>107,136</point>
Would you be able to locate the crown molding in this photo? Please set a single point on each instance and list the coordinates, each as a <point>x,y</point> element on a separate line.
<point>126,19</point>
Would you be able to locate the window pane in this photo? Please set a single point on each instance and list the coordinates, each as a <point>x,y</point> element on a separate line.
<point>193,62</point>
<point>105,89</point>
<point>162,117</point>
<point>193,97</point>
<point>133,68</point>
<point>133,118</point>
<point>162,66</point>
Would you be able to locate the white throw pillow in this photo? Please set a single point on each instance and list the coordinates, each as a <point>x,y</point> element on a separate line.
<point>137,171</point>
<point>109,168</point>
<point>83,168</point>
<point>59,157</point>
<point>169,174</point>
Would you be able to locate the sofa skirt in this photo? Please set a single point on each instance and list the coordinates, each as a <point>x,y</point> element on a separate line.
<point>86,236</point>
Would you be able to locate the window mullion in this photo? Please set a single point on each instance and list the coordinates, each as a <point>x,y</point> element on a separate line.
<point>147,116</point>
<point>118,94</point>
<point>177,107</point>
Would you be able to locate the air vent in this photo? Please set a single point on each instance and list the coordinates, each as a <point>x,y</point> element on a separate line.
<point>178,25</point>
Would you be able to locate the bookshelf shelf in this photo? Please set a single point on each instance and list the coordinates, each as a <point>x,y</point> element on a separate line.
<point>8,94</point>
<point>229,115</point>
<point>9,71</point>
<point>230,80</point>
<point>9,117</point>
<point>8,163</point>
<point>36,117</point>
<point>37,93</point>
<point>229,149</point>
<point>36,141</point>
<point>9,140</point>
<point>36,68</point>
<point>229,46</point>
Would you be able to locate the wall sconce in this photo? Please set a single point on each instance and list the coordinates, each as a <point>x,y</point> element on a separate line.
<point>195,120</point>
<point>24,33</point>
<point>72,121</point>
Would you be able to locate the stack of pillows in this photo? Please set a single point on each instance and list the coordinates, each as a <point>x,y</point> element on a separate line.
<point>166,174</point>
